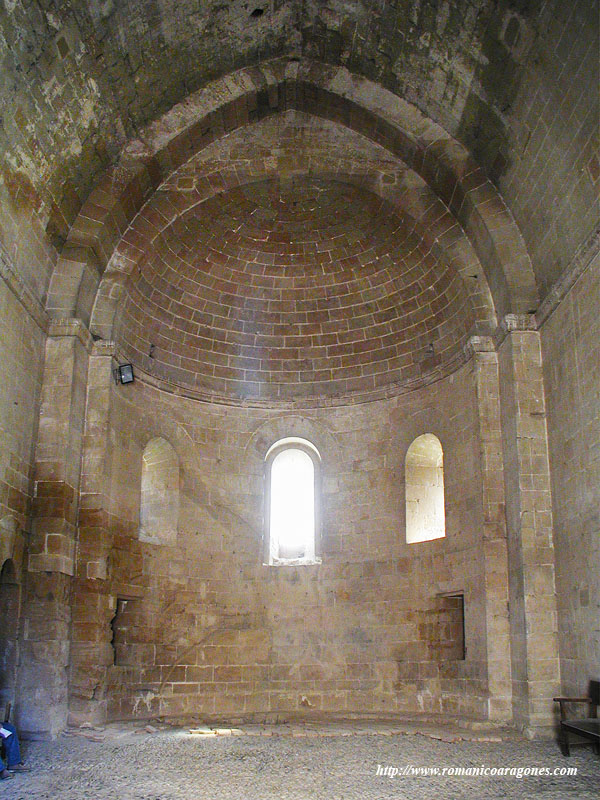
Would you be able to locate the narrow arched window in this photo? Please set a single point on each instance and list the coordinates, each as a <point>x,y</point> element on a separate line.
<point>292,503</point>
<point>159,501</point>
<point>424,477</point>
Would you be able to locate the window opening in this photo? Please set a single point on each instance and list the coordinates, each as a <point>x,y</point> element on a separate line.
<point>424,476</point>
<point>292,502</point>
<point>159,498</point>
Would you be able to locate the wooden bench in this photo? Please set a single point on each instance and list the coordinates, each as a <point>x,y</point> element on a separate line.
<point>587,727</point>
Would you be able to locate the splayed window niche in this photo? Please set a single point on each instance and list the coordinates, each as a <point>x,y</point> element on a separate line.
<point>159,498</point>
<point>425,515</point>
<point>292,503</point>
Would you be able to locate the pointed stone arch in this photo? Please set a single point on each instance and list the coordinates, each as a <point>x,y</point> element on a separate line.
<point>254,93</point>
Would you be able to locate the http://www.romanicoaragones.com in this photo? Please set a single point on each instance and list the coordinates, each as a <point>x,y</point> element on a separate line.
<point>414,771</point>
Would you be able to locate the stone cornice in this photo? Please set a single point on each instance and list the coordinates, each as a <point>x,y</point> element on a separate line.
<point>103,348</point>
<point>512,323</point>
<point>479,344</point>
<point>71,326</point>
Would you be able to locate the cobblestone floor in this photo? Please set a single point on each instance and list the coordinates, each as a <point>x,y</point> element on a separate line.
<point>301,762</point>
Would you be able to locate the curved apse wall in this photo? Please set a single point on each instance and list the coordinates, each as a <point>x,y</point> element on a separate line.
<point>215,631</point>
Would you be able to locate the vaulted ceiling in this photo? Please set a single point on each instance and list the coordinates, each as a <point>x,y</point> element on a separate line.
<point>293,282</point>
<point>514,81</point>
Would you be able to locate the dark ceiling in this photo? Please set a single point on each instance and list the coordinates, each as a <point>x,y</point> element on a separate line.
<point>514,80</point>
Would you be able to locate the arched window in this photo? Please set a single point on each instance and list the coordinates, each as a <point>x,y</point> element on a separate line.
<point>292,503</point>
<point>159,502</point>
<point>425,517</point>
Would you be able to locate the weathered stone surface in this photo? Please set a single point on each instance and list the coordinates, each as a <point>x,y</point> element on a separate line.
<point>506,79</point>
<point>294,760</point>
<point>300,220</point>
<point>214,631</point>
<point>571,369</point>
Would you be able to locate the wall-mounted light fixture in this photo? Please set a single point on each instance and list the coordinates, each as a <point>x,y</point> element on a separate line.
<point>123,373</point>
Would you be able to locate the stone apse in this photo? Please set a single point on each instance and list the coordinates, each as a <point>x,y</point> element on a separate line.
<point>292,254</point>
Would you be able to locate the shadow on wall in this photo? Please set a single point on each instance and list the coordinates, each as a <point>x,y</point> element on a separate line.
<point>9,619</point>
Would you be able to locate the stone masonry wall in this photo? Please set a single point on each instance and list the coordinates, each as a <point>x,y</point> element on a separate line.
<point>21,354</point>
<point>572,376</point>
<point>21,363</point>
<point>203,627</point>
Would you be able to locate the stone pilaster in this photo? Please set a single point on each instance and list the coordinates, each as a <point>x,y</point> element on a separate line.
<point>533,611</point>
<point>47,618</point>
<point>93,605</point>
<point>494,529</point>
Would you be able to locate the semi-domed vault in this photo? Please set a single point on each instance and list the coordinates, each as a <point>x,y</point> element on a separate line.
<point>293,281</point>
